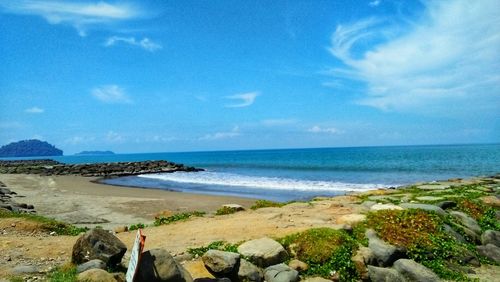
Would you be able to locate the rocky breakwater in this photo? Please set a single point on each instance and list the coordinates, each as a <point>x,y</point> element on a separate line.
<point>112,169</point>
<point>8,204</point>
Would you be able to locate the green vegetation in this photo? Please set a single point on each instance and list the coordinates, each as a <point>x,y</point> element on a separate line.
<point>16,279</point>
<point>266,204</point>
<point>29,148</point>
<point>226,210</point>
<point>137,226</point>
<point>217,245</point>
<point>176,217</point>
<point>46,224</point>
<point>65,273</point>
<point>325,250</point>
<point>485,216</point>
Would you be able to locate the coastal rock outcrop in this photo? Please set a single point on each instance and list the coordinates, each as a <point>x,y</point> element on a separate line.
<point>221,263</point>
<point>384,252</point>
<point>98,244</point>
<point>415,271</point>
<point>281,273</point>
<point>263,252</point>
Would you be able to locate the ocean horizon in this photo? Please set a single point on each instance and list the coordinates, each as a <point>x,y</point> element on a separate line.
<point>298,174</point>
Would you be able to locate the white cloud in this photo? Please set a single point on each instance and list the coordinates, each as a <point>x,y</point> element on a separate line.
<point>113,137</point>
<point>80,15</point>
<point>451,54</point>
<point>112,94</point>
<point>374,3</point>
<point>34,110</point>
<point>11,125</point>
<point>329,130</point>
<point>235,132</point>
<point>278,122</point>
<point>75,140</point>
<point>145,43</point>
<point>247,99</point>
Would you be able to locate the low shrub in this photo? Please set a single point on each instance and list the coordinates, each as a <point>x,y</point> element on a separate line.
<point>217,245</point>
<point>226,210</point>
<point>47,224</point>
<point>176,217</point>
<point>266,204</point>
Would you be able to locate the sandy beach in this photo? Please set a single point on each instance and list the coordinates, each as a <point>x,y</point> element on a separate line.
<point>80,201</point>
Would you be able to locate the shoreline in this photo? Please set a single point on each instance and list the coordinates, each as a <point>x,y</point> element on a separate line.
<point>82,201</point>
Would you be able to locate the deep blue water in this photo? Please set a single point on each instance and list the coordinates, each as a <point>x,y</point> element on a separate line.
<point>303,173</point>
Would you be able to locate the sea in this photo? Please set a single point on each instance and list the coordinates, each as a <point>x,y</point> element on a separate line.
<point>301,174</point>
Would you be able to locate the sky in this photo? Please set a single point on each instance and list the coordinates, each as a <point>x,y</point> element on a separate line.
<point>166,76</point>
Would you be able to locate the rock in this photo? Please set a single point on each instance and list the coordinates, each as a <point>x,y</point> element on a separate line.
<point>221,263</point>
<point>183,257</point>
<point>315,279</point>
<point>415,271</point>
<point>385,253</point>
<point>466,257</point>
<point>263,252</point>
<point>281,273</point>
<point>467,221</point>
<point>95,275</point>
<point>368,204</point>
<point>381,274</point>
<point>491,237</point>
<point>95,263</point>
<point>98,244</point>
<point>249,272</point>
<point>159,265</point>
<point>351,218</point>
<point>119,276</point>
<point>454,234</point>
<point>426,207</point>
<point>224,279</point>
<point>446,204</point>
<point>234,207</point>
<point>492,201</point>
<point>363,257</point>
<point>120,229</point>
<point>25,269</point>
<point>379,207</point>
<point>429,198</point>
<point>490,251</point>
<point>298,265</point>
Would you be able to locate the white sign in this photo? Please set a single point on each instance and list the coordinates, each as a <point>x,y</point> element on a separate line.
<point>135,256</point>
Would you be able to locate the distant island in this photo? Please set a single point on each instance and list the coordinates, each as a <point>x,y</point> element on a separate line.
<point>92,153</point>
<point>29,148</point>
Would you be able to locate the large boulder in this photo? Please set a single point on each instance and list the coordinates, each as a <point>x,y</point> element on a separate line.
<point>467,221</point>
<point>96,275</point>
<point>157,265</point>
<point>221,263</point>
<point>363,257</point>
<point>249,272</point>
<point>263,252</point>
<point>491,237</point>
<point>281,273</point>
<point>490,251</point>
<point>98,244</point>
<point>415,271</point>
<point>425,207</point>
<point>381,274</point>
<point>95,263</point>
<point>385,253</point>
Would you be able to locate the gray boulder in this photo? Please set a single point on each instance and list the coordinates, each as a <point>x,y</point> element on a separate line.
<point>158,265</point>
<point>25,269</point>
<point>363,257</point>
<point>415,271</point>
<point>490,251</point>
<point>263,252</point>
<point>454,234</point>
<point>95,263</point>
<point>425,207</point>
<point>281,273</point>
<point>467,221</point>
<point>315,279</point>
<point>491,237</point>
<point>98,244</point>
<point>446,204</point>
<point>96,275</point>
<point>385,253</point>
<point>221,263</point>
<point>249,272</point>
<point>381,274</point>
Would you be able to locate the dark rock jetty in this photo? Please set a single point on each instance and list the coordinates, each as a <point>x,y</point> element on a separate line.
<point>115,169</point>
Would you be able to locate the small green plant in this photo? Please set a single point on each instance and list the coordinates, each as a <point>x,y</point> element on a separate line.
<point>137,226</point>
<point>65,273</point>
<point>226,210</point>
<point>266,204</point>
<point>217,245</point>
<point>16,279</point>
<point>47,224</point>
<point>325,250</point>
<point>176,217</point>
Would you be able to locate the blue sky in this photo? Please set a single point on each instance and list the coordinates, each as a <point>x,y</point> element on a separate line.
<point>156,76</point>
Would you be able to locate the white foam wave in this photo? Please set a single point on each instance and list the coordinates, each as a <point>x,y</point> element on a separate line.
<point>230,179</point>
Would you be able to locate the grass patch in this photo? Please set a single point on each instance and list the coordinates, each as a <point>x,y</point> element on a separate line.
<point>176,217</point>
<point>226,210</point>
<point>217,245</point>
<point>484,215</point>
<point>259,204</point>
<point>325,250</point>
<point>137,226</point>
<point>47,224</point>
<point>65,273</point>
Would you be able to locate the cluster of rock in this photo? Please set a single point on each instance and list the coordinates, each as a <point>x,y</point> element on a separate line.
<point>7,203</point>
<point>113,169</point>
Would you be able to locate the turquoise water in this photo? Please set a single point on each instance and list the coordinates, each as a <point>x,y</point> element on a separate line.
<point>293,174</point>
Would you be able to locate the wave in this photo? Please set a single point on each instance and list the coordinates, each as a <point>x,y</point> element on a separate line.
<point>258,182</point>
